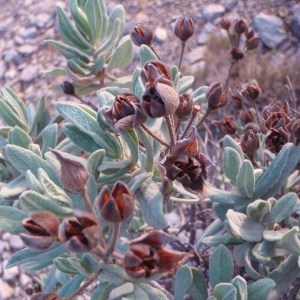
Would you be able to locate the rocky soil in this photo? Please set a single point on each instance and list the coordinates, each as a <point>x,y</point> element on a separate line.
<point>24,58</point>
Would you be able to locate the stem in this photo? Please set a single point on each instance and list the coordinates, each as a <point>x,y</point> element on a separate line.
<point>155,52</point>
<point>170,123</point>
<point>167,189</point>
<point>162,289</point>
<point>115,236</point>
<point>193,227</point>
<point>164,143</point>
<point>87,200</point>
<point>88,103</point>
<point>257,117</point>
<point>293,96</point>
<point>196,109</point>
<point>229,74</point>
<point>181,54</point>
<point>85,285</point>
<point>178,124</point>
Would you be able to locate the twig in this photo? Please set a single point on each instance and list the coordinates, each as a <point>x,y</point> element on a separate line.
<point>170,123</point>
<point>181,54</point>
<point>164,143</point>
<point>196,109</point>
<point>87,200</point>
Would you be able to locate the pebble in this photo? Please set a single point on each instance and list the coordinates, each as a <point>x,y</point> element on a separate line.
<point>29,33</point>
<point>206,33</point>
<point>196,55</point>
<point>16,242</point>
<point>270,28</point>
<point>10,55</point>
<point>27,49</point>
<point>10,274</point>
<point>29,73</point>
<point>213,11</point>
<point>230,4</point>
<point>160,34</point>
<point>6,291</point>
<point>42,20</point>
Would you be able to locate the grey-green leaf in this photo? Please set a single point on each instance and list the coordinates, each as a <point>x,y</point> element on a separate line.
<point>123,55</point>
<point>225,291</point>
<point>185,83</point>
<point>10,219</point>
<point>241,285</point>
<point>231,163</point>
<point>183,281</point>
<point>19,137</point>
<point>228,141</point>
<point>245,179</point>
<point>146,54</point>
<point>220,266</point>
<point>49,135</point>
<point>260,289</point>
<point>198,288</point>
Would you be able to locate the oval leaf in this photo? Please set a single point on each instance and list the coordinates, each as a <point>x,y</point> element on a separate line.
<point>183,281</point>
<point>231,163</point>
<point>245,179</point>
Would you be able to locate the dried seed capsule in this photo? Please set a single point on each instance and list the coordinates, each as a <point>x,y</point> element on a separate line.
<point>141,34</point>
<point>184,28</point>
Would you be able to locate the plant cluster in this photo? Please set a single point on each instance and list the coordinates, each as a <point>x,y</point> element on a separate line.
<point>88,189</point>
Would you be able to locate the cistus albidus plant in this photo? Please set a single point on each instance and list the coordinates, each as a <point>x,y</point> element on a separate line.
<point>89,189</point>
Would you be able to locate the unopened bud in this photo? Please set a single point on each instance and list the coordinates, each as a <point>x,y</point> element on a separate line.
<point>68,88</point>
<point>141,34</point>
<point>185,106</point>
<point>237,53</point>
<point>253,43</point>
<point>216,97</point>
<point>227,126</point>
<point>184,28</point>
<point>251,90</point>
<point>249,33</point>
<point>225,23</point>
<point>247,116</point>
<point>249,142</point>
<point>240,26</point>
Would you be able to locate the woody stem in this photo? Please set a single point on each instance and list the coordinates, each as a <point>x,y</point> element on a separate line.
<point>87,200</point>
<point>115,236</point>
<point>164,143</point>
<point>170,124</point>
<point>181,54</point>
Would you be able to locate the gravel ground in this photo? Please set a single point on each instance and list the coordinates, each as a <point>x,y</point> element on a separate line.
<point>25,24</point>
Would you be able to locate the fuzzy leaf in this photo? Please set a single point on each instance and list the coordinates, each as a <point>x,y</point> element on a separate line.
<point>146,54</point>
<point>65,266</point>
<point>231,163</point>
<point>49,135</point>
<point>71,286</point>
<point>122,290</point>
<point>290,241</point>
<point>13,188</point>
<point>245,179</point>
<point>244,227</point>
<point>225,291</point>
<point>228,141</point>
<point>10,219</point>
<point>123,55</point>
<point>185,83</point>
<point>19,137</point>
<point>283,208</point>
<point>198,289</point>
<point>241,286</point>
<point>260,289</point>
<point>273,178</point>
<point>183,281</point>
<point>220,266</point>
<point>153,293</point>
<point>94,161</point>
<point>137,86</point>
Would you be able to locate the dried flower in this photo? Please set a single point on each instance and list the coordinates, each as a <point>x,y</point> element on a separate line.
<point>249,33</point>
<point>45,296</point>
<point>73,174</point>
<point>240,26</point>
<point>160,97</point>
<point>185,106</point>
<point>253,43</point>
<point>43,230</point>
<point>68,88</point>
<point>82,232</point>
<point>184,28</point>
<point>227,126</point>
<point>249,142</point>
<point>277,137</point>
<point>186,164</point>
<point>216,97</point>
<point>125,113</point>
<point>117,205</point>
<point>146,256</point>
<point>225,23</point>
<point>247,116</point>
<point>251,90</point>
<point>141,34</point>
<point>237,53</point>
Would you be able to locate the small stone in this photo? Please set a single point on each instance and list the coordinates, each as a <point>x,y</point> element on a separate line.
<point>18,40</point>
<point>6,291</point>
<point>270,28</point>
<point>15,242</point>
<point>26,49</point>
<point>24,279</point>
<point>206,32</point>
<point>213,11</point>
<point>2,68</point>
<point>11,273</point>
<point>29,33</point>
<point>173,218</point>
<point>10,55</point>
<point>160,34</point>
<point>230,4</point>
<point>29,73</point>
<point>295,21</point>
<point>42,20</point>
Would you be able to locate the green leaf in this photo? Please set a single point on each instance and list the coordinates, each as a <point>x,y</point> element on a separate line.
<point>283,208</point>
<point>260,289</point>
<point>19,137</point>
<point>185,83</point>
<point>290,240</point>
<point>65,266</point>
<point>241,286</point>
<point>245,179</point>
<point>69,33</point>
<point>49,135</point>
<point>123,55</point>
<point>29,255</point>
<point>71,286</point>
<point>274,177</point>
<point>228,141</point>
<point>252,273</point>
<point>10,219</point>
<point>231,163</point>
<point>147,142</point>
<point>33,201</point>
<point>103,289</point>
<point>77,264</point>
<point>220,266</point>
<point>183,281</point>
<point>24,160</point>
<point>98,64</point>
<point>33,183</point>
<point>153,293</point>
<point>244,227</point>
<point>121,291</point>
<point>117,13</point>
<point>13,188</point>
<point>225,291</point>
<point>151,202</point>
<point>137,86</point>
<point>94,161</point>
<point>198,288</point>
<point>146,54</point>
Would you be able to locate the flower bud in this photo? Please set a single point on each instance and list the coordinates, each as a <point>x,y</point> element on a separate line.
<point>216,97</point>
<point>68,88</point>
<point>116,206</point>
<point>277,137</point>
<point>45,296</point>
<point>249,33</point>
<point>146,256</point>
<point>184,28</point>
<point>247,116</point>
<point>253,43</point>
<point>227,126</point>
<point>185,106</point>
<point>43,230</point>
<point>141,34</point>
<point>237,53</point>
<point>225,23</point>
<point>82,232</point>
<point>251,90</point>
<point>73,174</point>
<point>249,142</point>
<point>240,26</point>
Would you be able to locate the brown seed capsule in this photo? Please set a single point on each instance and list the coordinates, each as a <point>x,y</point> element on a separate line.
<point>141,34</point>
<point>249,142</point>
<point>216,97</point>
<point>68,88</point>
<point>82,232</point>
<point>227,126</point>
<point>247,116</point>
<point>251,90</point>
<point>147,257</point>
<point>240,26</point>
<point>73,174</point>
<point>253,43</point>
<point>225,23</point>
<point>249,33</point>
<point>117,205</point>
<point>126,112</point>
<point>185,106</point>
<point>237,53</point>
<point>42,227</point>
<point>184,28</point>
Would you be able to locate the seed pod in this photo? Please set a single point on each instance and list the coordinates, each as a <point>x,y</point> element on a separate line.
<point>227,126</point>
<point>68,88</point>
<point>237,53</point>
<point>141,34</point>
<point>216,97</point>
<point>185,106</point>
<point>249,142</point>
<point>184,28</point>
<point>253,43</point>
<point>240,26</point>
<point>225,23</point>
